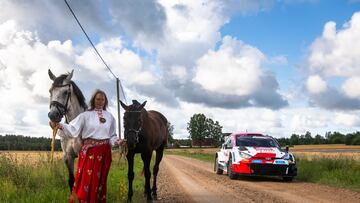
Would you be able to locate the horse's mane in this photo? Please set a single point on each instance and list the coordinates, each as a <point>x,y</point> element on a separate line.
<point>59,81</point>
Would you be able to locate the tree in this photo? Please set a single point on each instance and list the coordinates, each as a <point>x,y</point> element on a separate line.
<point>201,128</point>
<point>214,132</point>
<point>307,138</point>
<point>171,132</point>
<point>294,139</point>
<point>197,128</point>
<point>319,139</point>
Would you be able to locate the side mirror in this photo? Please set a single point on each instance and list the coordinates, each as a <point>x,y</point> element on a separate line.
<point>287,148</point>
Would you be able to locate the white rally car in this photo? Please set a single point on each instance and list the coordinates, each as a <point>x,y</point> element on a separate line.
<point>254,154</point>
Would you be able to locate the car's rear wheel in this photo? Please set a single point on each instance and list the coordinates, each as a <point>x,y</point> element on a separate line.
<point>288,179</point>
<point>216,167</point>
<point>229,169</point>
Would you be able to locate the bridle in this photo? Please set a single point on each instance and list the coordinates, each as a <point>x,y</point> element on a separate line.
<point>136,131</point>
<point>59,106</point>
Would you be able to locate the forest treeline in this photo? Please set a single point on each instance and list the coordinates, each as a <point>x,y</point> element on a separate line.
<point>329,138</point>
<point>20,142</point>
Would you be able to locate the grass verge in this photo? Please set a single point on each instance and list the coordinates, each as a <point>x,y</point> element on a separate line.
<point>40,181</point>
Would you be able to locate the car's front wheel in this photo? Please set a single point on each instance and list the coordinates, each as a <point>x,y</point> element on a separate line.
<point>229,169</point>
<point>216,167</point>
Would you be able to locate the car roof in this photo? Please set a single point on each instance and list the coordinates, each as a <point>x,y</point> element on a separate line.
<point>247,134</point>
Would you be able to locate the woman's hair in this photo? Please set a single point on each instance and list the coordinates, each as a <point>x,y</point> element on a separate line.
<point>92,100</point>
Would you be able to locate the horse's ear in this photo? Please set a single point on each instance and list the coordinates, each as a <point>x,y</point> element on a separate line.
<point>51,75</point>
<point>123,105</point>
<point>142,105</point>
<point>68,78</point>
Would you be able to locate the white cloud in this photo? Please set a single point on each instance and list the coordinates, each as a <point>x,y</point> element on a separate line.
<point>24,80</point>
<point>125,63</point>
<point>315,84</point>
<point>330,54</point>
<point>334,56</point>
<point>234,69</point>
<point>351,87</point>
<point>347,119</point>
<point>192,27</point>
<point>179,72</point>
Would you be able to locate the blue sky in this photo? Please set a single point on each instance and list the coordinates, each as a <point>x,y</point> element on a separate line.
<point>272,66</point>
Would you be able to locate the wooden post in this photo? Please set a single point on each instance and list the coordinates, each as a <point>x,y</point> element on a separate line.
<point>118,104</point>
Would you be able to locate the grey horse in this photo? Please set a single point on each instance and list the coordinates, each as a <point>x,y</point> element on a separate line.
<point>66,100</point>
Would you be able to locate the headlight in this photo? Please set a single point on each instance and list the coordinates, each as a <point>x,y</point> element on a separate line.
<point>288,156</point>
<point>244,155</point>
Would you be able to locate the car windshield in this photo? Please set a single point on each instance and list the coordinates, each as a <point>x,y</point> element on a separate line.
<point>256,142</point>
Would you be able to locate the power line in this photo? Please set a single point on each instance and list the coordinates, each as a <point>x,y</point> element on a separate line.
<point>89,39</point>
<point>97,52</point>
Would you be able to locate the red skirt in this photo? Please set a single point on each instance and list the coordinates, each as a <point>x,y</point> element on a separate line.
<point>92,171</point>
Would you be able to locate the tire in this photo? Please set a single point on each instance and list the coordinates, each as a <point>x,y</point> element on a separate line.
<point>229,169</point>
<point>288,179</point>
<point>216,167</point>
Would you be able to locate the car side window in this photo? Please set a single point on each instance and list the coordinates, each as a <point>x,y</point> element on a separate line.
<point>228,144</point>
<point>231,143</point>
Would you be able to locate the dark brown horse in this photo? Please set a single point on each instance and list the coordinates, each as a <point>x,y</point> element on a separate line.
<point>145,131</point>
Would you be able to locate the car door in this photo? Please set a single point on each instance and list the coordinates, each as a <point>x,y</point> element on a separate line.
<point>225,150</point>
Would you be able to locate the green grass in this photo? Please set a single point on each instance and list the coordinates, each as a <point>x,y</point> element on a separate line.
<point>42,181</point>
<point>343,173</point>
<point>195,155</point>
<point>338,172</point>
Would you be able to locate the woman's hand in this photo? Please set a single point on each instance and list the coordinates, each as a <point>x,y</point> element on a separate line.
<point>53,124</point>
<point>120,142</point>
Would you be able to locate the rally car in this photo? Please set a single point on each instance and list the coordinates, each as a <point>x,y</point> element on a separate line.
<point>254,154</point>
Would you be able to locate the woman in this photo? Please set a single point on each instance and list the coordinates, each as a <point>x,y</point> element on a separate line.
<point>98,130</point>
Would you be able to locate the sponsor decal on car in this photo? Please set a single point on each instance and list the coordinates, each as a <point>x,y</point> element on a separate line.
<point>256,161</point>
<point>280,162</point>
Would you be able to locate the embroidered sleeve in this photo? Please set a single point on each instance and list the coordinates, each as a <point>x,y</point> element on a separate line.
<point>112,131</point>
<point>74,128</point>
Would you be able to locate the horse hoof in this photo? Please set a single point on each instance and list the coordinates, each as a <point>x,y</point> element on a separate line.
<point>155,197</point>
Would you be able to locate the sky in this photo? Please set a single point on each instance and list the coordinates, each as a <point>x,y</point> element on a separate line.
<point>276,67</point>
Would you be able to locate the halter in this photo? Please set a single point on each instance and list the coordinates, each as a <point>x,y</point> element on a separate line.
<point>59,106</point>
<point>134,130</point>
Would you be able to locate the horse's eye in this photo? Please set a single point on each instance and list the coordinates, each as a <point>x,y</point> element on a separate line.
<point>65,93</point>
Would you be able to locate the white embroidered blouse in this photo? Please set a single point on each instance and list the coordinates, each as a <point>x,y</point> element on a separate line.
<point>91,125</point>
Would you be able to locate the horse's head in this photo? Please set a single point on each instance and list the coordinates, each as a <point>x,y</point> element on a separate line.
<point>133,122</point>
<point>60,93</point>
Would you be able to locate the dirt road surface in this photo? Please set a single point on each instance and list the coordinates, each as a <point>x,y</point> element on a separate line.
<point>183,179</point>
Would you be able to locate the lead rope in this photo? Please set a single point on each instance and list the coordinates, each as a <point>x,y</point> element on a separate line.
<point>123,151</point>
<point>53,143</point>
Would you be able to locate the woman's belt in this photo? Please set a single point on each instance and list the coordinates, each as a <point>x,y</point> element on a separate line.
<point>95,142</point>
<point>88,143</point>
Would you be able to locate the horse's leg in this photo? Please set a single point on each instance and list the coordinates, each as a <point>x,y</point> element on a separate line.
<point>130,158</point>
<point>69,161</point>
<point>146,157</point>
<point>159,155</point>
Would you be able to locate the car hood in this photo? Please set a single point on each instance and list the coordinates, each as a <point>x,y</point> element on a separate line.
<point>263,152</point>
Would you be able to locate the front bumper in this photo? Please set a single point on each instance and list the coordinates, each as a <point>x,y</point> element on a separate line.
<point>289,170</point>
